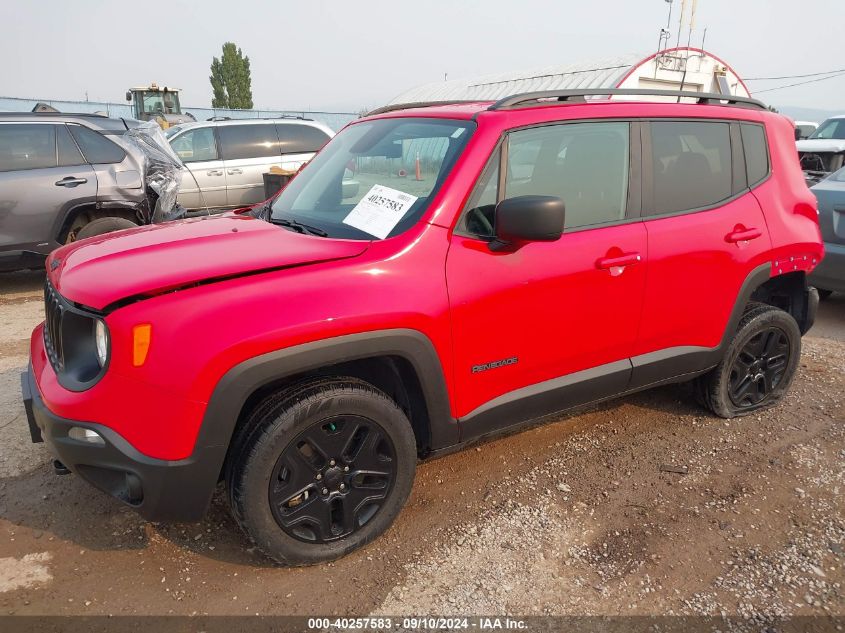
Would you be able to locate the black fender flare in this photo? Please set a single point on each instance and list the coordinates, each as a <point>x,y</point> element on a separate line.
<point>241,381</point>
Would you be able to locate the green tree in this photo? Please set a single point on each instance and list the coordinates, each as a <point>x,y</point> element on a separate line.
<point>231,80</point>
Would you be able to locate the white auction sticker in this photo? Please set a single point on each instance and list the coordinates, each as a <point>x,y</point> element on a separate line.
<point>379,211</point>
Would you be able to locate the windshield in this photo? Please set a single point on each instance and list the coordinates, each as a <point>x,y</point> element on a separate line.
<point>156,102</point>
<point>172,130</point>
<point>831,129</point>
<point>837,176</point>
<point>374,179</point>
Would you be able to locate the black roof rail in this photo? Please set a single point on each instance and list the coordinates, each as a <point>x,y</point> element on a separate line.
<point>298,117</point>
<point>579,96</point>
<point>418,104</point>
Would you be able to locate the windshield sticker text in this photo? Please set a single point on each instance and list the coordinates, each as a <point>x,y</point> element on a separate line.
<point>379,211</point>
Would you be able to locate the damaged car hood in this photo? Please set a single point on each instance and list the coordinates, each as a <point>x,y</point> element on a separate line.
<point>102,270</point>
<point>821,145</point>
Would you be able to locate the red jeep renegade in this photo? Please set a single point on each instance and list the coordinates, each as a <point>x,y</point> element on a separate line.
<point>437,274</point>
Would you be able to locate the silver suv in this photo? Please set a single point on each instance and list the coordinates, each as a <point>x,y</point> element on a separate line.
<point>227,158</point>
<point>65,177</point>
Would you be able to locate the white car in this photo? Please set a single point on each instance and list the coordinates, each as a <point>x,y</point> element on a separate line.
<point>227,159</point>
<point>803,129</point>
<point>824,151</point>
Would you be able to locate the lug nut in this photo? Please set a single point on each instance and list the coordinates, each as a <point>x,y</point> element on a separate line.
<point>331,463</point>
<point>325,491</point>
<point>343,486</point>
<point>346,469</point>
<point>319,476</point>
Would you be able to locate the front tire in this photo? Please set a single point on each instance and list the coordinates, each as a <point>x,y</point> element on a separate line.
<point>758,367</point>
<point>321,469</point>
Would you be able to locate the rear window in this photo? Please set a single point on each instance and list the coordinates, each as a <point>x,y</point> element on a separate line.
<point>300,139</point>
<point>24,146</point>
<point>692,165</point>
<point>248,141</point>
<point>756,152</point>
<point>95,147</point>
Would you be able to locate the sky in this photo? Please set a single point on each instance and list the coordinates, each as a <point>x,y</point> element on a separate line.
<point>351,55</point>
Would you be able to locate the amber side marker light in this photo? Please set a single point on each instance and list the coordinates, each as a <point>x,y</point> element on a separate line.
<point>141,335</point>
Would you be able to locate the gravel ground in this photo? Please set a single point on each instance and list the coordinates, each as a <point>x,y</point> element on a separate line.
<point>579,516</point>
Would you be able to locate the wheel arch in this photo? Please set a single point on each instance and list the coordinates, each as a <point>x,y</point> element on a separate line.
<point>790,293</point>
<point>401,362</point>
<point>132,211</point>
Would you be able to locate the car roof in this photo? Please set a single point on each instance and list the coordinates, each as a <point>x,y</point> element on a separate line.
<point>96,121</point>
<point>280,121</point>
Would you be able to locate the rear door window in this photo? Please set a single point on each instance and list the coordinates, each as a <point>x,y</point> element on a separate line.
<point>295,138</point>
<point>96,148</point>
<point>248,141</point>
<point>691,163</point>
<point>66,150</point>
<point>27,146</point>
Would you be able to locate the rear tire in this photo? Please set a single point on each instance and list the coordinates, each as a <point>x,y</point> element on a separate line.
<point>758,367</point>
<point>101,226</point>
<point>321,469</point>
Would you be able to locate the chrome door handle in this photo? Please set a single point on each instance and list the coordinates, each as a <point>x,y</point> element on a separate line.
<point>70,181</point>
<point>234,172</point>
<point>214,172</point>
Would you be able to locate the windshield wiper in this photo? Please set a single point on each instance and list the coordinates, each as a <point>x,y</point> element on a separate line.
<point>299,227</point>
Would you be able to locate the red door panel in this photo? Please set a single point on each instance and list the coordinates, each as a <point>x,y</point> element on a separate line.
<point>547,310</point>
<point>697,263</point>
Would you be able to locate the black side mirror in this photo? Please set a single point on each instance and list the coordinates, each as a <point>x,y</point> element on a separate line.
<point>128,96</point>
<point>528,219</point>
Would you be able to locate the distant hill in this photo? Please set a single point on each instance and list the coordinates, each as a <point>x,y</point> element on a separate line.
<point>807,114</point>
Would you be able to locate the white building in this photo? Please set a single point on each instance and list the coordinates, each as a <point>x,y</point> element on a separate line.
<point>692,69</point>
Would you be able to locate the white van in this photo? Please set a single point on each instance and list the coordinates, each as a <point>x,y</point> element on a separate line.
<point>228,158</point>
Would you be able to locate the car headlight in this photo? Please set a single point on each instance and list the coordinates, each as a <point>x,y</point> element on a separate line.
<point>101,338</point>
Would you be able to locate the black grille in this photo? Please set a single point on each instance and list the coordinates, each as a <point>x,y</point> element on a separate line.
<point>54,310</point>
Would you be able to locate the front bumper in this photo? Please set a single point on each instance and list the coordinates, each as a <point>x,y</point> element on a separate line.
<point>159,490</point>
<point>830,273</point>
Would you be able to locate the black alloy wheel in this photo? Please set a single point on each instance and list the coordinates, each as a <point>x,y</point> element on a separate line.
<point>332,479</point>
<point>759,367</point>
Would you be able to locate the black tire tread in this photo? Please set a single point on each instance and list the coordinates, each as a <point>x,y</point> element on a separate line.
<point>303,400</point>
<point>707,387</point>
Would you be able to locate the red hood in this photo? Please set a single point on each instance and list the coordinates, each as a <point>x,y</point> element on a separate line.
<point>101,270</point>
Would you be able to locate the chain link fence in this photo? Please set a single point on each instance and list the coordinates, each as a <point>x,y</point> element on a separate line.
<point>335,120</point>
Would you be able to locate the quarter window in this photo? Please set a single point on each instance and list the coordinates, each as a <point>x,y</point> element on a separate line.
<point>196,145</point>
<point>95,147</point>
<point>691,163</point>
<point>248,141</point>
<point>756,152</point>
<point>27,146</point>
<point>300,139</point>
<point>585,164</point>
